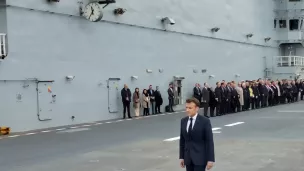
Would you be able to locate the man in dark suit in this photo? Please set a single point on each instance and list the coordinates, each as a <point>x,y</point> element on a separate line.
<point>170,97</point>
<point>205,99</point>
<point>126,100</point>
<point>197,92</point>
<point>152,99</point>
<point>218,95</point>
<point>196,149</point>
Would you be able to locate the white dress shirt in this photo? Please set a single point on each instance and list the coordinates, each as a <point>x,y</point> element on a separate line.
<point>193,122</point>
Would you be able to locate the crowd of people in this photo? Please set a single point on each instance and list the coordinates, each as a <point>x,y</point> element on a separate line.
<point>150,100</point>
<point>232,97</point>
<point>225,98</point>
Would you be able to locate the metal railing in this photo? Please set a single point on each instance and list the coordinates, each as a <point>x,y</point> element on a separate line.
<point>3,52</point>
<point>289,61</point>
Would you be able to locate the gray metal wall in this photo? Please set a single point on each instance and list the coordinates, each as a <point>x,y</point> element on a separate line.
<point>51,46</point>
<point>3,20</point>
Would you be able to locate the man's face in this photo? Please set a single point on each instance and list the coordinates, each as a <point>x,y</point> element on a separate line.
<point>150,87</point>
<point>125,86</point>
<point>191,109</point>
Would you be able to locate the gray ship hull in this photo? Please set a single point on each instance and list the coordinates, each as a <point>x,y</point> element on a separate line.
<point>51,41</point>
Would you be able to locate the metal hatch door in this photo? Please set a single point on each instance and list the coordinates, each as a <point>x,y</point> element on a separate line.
<point>45,100</point>
<point>178,90</point>
<point>113,95</point>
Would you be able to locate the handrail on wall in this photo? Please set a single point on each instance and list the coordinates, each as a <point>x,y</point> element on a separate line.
<point>289,61</point>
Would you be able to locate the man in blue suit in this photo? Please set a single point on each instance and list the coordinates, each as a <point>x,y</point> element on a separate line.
<point>196,139</point>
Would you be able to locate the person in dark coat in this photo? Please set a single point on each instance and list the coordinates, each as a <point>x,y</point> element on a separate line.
<point>170,98</point>
<point>218,97</point>
<point>205,97</point>
<point>197,92</point>
<point>158,100</point>
<point>196,145</point>
<point>126,100</point>
<point>212,101</point>
<point>246,97</point>
<point>234,97</point>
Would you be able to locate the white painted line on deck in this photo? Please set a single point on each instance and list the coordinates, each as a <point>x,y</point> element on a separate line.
<point>60,129</point>
<point>177,138</point>
<point>86,125</point>
<point>172,139</point>
<point>291,111</point>
<point>12,136</point>
<point>214,129</point>
<point>46,131</point>
<point>108,122</point>
<point>98,123</point>
<point>233,124</point>
<point>30,133</point>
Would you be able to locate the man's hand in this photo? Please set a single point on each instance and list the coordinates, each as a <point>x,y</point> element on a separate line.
<point>182,164</point>
<point>209,165</point>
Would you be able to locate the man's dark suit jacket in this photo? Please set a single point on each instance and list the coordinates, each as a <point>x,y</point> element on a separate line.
<point>151,94</point>
<point>205,95</point>
<point>197,93</point>
<point>124,94</point>
<point>199,147</point>
<point>170,93</point>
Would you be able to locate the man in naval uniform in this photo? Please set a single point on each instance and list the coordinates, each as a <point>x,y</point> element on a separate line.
<point>196,146</point>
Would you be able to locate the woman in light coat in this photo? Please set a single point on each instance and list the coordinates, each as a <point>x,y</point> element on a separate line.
<point>239,90</point>
<point>145,103</point>
<point>136,102</point>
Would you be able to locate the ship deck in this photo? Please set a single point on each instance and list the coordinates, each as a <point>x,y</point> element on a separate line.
<point>270,139</point>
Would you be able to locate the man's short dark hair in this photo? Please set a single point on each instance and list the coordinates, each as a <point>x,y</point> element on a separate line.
<point>193,100</point>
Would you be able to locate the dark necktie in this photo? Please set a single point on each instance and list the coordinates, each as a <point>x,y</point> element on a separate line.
<point>190,125</point>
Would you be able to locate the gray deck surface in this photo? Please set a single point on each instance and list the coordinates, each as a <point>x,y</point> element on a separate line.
<point>270,139</point>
